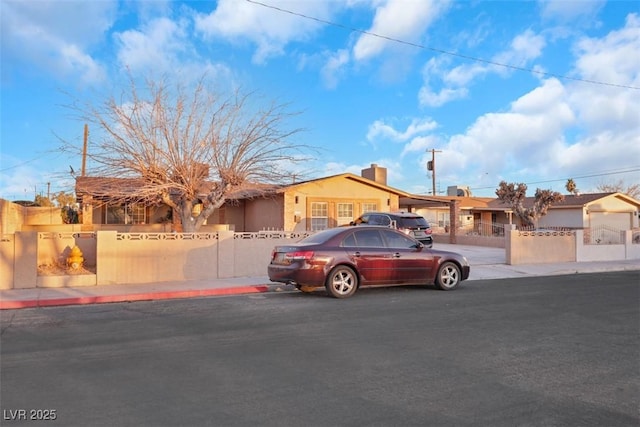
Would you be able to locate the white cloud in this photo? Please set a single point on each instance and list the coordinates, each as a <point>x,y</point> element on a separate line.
<point>524,48</point>
<point>155,46</point>
<point>394,168</point>
<point>334,68</point>
<point>567,11</point>
<point>270,30</point>
<point>608,115</point>
<point>56,36</point>
<point>379,129</point>
<point>401,20</point>
<point>420,144</point>
<point>521,140</point>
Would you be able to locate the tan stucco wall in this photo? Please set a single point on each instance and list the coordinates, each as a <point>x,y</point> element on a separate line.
<point>7,258</point>
<point>333,191</point>
<point>123,258</point>
<point>264,214</point>
<point>540,248</point>
<point>13,216</point>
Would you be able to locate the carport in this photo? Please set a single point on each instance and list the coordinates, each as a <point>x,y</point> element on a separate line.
<point>412,202</point>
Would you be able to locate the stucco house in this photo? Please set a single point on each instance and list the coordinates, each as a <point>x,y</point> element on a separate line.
<point>613,210</point>
<point>338,199</point>
<point>301,206</point>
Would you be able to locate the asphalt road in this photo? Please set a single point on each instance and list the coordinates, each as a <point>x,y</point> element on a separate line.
<point>545,351</point>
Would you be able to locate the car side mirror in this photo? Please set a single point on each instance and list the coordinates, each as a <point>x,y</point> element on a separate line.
<point>419,246</point>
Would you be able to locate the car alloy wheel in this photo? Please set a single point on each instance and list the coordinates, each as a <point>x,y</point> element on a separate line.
<point>342,282</point>
<point>448,277</point>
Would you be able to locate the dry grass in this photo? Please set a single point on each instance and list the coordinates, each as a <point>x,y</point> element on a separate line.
<point>59,270</point>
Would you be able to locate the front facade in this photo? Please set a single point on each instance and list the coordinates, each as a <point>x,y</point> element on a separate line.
<point>339,199</point>
<point>310,205</point>
<point>613,210</point>
<point>305,206</point>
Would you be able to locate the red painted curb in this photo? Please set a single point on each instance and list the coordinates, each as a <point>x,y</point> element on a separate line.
<point>150,296</point>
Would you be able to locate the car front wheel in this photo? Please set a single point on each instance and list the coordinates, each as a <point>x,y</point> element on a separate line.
<point>342,282</point>
<point>448,277</point>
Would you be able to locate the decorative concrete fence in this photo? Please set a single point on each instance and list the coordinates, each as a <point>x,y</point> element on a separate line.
<point>114,257</point>
<point>120,258</point>
<point>538,247</point>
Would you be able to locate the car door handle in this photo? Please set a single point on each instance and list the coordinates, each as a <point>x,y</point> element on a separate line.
<point>357,254</point>
<point>396,255</point>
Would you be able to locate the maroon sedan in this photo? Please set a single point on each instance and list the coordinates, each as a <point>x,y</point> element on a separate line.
<point>345,258</point>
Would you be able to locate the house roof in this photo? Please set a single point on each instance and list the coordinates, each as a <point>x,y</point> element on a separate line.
<point>105,187</point>
<point>464,201</point>
<point>405,199</point>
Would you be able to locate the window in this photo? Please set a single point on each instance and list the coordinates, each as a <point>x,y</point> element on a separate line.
<point>131,213</point>
<point>380,220</point>
<point>345,213</point>
<point>368,239</point>
<point>369,207</point>
<point>319,216</point>
<point>398,241</point>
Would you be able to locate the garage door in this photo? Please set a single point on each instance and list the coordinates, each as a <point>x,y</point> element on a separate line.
<point>615,220</point>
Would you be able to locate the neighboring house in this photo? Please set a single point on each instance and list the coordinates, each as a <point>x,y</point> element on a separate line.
<point>439,216</point>
<point>614,210</point>
<point>302,206</point>
<point>337,200</point>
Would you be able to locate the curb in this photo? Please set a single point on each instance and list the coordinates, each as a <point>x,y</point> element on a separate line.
<point>149,296</point>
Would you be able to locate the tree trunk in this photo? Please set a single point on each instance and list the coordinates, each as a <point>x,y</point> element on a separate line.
<point>188,222</point>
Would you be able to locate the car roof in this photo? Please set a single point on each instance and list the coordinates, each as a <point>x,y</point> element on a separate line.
<point>400,214</point>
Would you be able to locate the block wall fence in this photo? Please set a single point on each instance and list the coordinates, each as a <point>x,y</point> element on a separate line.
<point>115,257</point>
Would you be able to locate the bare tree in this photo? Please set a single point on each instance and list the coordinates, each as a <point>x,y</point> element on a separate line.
<point>515,195</point>
<point>189,145</point>
<point>632,190</point>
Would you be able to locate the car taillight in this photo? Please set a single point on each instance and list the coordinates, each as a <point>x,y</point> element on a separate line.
<point>299,255</point>
<point>427,231</point>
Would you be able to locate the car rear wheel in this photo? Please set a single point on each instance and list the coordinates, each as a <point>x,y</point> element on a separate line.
<point>448,277</point>
<point>342,282</point>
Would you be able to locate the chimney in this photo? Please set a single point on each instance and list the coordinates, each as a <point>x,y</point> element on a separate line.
<point>375,173</point>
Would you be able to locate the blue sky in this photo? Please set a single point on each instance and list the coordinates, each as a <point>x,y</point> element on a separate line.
<point>533,92</point>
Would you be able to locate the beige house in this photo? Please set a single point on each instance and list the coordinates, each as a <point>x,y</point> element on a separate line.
<point>439,216</point>
<point>339,199</point>
<point>303,206</point>
<point>613,210</point>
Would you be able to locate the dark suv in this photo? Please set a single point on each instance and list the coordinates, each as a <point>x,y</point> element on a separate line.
<point>409,223</point>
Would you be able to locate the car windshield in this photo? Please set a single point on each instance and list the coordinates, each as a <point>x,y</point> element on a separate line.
<point>413,222</point>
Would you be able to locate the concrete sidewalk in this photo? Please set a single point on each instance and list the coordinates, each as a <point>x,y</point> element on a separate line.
<point>486,263</point>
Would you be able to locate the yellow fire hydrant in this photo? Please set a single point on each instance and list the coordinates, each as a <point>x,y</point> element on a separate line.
<point>75,259</point>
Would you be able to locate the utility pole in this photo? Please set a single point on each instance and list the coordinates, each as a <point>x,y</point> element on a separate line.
<point>84,148</point>
<point>431,165</point>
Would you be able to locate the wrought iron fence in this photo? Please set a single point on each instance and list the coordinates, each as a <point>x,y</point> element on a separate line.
<point>603,235</point>
<point>485,229</point>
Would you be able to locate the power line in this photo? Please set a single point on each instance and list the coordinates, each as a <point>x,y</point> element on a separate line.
<point>442,51</point>
<point>617,172</point>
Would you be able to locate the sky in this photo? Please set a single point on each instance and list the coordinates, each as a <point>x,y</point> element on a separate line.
<point>532,92</point>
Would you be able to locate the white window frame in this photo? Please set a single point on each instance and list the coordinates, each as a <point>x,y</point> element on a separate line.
<point>319,216</point>
<point>131,213</point>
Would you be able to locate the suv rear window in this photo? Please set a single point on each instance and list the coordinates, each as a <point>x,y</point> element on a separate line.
<point>412,222</point>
